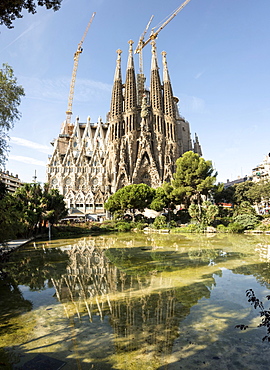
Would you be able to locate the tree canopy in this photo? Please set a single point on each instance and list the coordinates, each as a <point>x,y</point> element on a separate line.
<point>205,214</point>
<point>222,194</point>
<point>28,209</point>
<point>162,198</point>
<point>243,192</point>
<point>54,207</point>
<point>11,224</point>
<point>193,179</point>
<point>12,9</point>
<point>247,191</point>
<point>10,99</point>
<point>130,197</point>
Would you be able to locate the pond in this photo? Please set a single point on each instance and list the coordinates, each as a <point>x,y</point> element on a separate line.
<point>135,301</point>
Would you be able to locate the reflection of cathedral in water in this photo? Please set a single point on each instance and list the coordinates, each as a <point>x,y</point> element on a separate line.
<point>139,310</point>
<point>264,251</point>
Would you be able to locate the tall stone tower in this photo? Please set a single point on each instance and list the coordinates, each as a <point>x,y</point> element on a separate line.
<point>140,142</point>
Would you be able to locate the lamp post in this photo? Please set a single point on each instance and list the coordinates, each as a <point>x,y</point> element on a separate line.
<point>49,227</point>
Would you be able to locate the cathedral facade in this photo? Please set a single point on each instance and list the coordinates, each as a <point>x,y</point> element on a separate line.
<point>140,141</point>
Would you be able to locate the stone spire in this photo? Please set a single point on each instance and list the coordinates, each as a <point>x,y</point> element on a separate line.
<point>117,95</point>
<point>169,106</point>
<point>156,89</point>
<point>196,145</point>
<point>130,64</point>
<point>130,85</point>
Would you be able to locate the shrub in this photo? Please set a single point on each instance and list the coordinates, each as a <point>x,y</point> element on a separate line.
<point>160,222</point>
<point>140,225</point>
<point>173,223</point>
<point>204,213</point>
<point>263,227</point>
<point>183,216</point>
<point>191,228</point>
<point>118,215</point>
<point>247,221</point>
<point>243,209</point>
<point>95,227</point>
<point>139,217</point>
<point>177,230</point>
<point>107,226</point>
<point>124,226</point>
<point>225,212</point>
<point>235,227</point>
<point>222,228</point>
<point>223,220</point>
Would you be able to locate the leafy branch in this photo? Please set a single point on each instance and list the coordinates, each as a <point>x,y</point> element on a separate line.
<point>264,314</point>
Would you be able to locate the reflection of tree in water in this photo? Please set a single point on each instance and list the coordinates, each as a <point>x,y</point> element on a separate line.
<point>141,311</point>
<point>12,301</point>
<point>31,267</point>
<point>261,270</point>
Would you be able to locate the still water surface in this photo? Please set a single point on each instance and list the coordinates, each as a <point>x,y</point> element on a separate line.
<point>136,301</point>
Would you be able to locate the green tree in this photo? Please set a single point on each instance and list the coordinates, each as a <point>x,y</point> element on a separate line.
<point>193,180</point>
<point>222,194</point>
<point>162,198</point>
<point>243,192</point>
<point>54,207</point>
<point>259,193</point>
<point>38,205</point>
<point>131,197</point>
<point>244,208</point>
<point>247,221</point>
<point>10,99</point>
<point>204,213</point>
<point>30,204</point>
<point>11,225</point>
<point>3,190</point>
<point>12,9</point>
<point>265,190</point>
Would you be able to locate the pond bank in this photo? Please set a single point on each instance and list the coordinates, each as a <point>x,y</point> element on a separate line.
<point>12,245</point>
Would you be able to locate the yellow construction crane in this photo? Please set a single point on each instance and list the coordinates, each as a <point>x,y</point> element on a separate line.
<point>74,72</point>
<point>153,34</point>
<point>141,44</point>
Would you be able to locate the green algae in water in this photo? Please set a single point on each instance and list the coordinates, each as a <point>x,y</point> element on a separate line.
<point>138,300</point>
<point>15,329</point>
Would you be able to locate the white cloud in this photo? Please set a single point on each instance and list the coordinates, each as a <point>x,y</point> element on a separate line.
<point>58,89</point>
<point>27,160</point>
<point>198,75</point>
<point>33,25</point>
<point>191,103</point>
<point>197,104</point>
<point>30,144</point>
<point>86,89</point>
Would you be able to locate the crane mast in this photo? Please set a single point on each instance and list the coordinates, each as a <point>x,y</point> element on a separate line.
<point>140,44</point>
<point>74,72</point>
<point>140,75</point>
<point>153,34</point>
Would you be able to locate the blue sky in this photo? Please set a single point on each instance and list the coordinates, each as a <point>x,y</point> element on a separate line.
<point>218,59</point>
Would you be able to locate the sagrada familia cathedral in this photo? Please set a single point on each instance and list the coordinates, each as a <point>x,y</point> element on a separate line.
<point>140,141</point>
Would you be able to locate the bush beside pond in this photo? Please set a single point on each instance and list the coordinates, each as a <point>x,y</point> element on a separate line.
<point>237,224</point>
